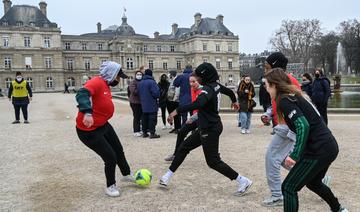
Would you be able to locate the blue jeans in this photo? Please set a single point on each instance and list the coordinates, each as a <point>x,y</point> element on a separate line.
<point>245,119</point>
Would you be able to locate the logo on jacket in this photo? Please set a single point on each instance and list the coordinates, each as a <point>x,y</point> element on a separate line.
<point>291,114</point>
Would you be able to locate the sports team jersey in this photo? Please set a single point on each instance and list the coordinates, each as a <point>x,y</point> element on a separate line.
<point>313,137</point>
<point>101,103</point>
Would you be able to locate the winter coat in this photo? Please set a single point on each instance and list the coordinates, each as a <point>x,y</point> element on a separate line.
<point>246,99</point>
<point>149,93</point>
<point>134,92</point>
<point>264,96</point>
<point>321,90</point>
<point>182,81</point>
<point>164,87</point>
<point>307,87</point>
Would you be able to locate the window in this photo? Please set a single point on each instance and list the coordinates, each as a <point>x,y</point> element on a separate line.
<point>100,46</point>
<point>67,46</point>
<point>151,64</point>
<point>84,46</point>
<point>230,63</point>
<point>87,63</point>
<point>71,81</point>
<point>49,82</point>
<point>121,48</point>
<point>145,48</point>
<point>48,64</point>
<point>229,47</point>
<point>217,63</point>
<point>6,40</point>
<point>70,64</point>
<point>159,48</point>
<point>129,64</point>
<point>172,48</point>
<point>19,23</point>
<point>165,65</point>
<point>8,82</point>
<point>7,62</point>
<point>47,42</point>
<point>28,62</point>
<point>137,48</point>
<point>5,23</point>
<point>178,65</point>
<point>217,47</point>
<point>30,82</point>
<point>27,41</point>
<point>204,47</point>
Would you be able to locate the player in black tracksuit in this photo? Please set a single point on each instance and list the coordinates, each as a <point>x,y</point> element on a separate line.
<point>315,148</point>
<point>209,130</point>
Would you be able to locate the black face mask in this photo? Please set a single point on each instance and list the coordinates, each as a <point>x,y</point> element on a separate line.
<point>317,75</point>
<point>114,83</point>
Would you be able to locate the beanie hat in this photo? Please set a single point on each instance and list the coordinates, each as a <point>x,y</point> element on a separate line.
<point>207,72</point>
<point>148,72</point>
<point>18,73</point>
<point>277,60</point>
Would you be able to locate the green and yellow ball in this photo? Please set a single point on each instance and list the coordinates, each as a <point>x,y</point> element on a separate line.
<point>143,177</point>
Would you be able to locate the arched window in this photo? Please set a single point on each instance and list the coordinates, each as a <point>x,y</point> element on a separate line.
<point>49,82</point>
<point>71,81</point>
<point>129,64</point>
<point>8,82</point>
<point>30,81</point>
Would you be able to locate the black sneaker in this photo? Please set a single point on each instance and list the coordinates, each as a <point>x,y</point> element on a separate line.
<point>145,135</point>
<point>16,122</point>
<point>153,136</point>
<point>26,122</point>
<point>172,131</point>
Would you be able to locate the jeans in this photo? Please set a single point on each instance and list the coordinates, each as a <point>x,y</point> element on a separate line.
<point>245,119</point>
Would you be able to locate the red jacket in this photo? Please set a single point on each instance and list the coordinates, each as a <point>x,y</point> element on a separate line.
<point>194,95</point>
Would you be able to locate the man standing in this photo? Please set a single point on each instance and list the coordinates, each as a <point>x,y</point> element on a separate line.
<point>20,93</point>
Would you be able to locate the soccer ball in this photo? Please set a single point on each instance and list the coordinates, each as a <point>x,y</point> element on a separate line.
<point>143,177</point>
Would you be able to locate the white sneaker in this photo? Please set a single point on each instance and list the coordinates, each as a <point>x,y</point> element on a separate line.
<point>138,134</point>
<point>243,188</point>
<point>112,191</point>
<point>326,180</point>
<point>128,178</point>
<point>343,209</point>
<point>164,127</point>
<point>247,131</point>
<point>272,201</point>
<point>243,131</point>
<point>164,181</point>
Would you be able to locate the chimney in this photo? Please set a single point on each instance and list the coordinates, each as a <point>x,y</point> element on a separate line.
<point>220,18</point>
<point>43,6</point>
<point>7,5</point>
<point>197,17</point>
<point>156,35</point>
<point>98,27</point>
<point>174,28</point>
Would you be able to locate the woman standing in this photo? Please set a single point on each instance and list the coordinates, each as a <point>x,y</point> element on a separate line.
<point>246,93</point>
<point>306,84</point>
<point>92,126</point>
<point>315,148</point>
<point>164,87</point>
<point>135,103</point>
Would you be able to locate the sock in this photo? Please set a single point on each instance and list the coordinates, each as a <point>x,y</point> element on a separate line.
<point>169,174</point>
<point>241,179</point>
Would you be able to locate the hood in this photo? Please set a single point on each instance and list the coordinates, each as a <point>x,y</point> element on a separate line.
<point>207,72</point>
<point>187,71</point>
<point>146,77</point>
<point>109,70</point>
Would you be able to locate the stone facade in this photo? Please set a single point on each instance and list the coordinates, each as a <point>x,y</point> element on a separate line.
<point>49,59</point>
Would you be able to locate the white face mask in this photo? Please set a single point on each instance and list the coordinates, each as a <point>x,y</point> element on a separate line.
<point>263,79</point>
<point>138,76</point>
<point>18,78</point>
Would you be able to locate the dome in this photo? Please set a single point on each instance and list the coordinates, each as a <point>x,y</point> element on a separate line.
<point>125,29</point>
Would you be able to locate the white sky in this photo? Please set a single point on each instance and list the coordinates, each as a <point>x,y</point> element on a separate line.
<point>254,21</point>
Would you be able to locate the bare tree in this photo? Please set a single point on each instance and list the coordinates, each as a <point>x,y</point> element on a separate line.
<point>295,38</point>
<point>324,52</point>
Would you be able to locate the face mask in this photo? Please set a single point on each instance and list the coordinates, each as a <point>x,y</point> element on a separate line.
<point>18,78</point>
<point>263,80</point>
<point>138,76</point>
<point>114,83</point>
<point>317,75</point>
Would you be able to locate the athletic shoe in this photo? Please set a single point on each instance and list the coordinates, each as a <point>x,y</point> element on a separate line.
<point>272,132</point>
<point>174,131</point>
<point>112,191</point>
<point>343,209</point>
<point>128,178</point>
<point>243,131</point>
<point>164,127</point>
<point>145,135</point>
<point>154,136</point>
<point>243,188</point>
<point>138,134</point>
<point>164,181</point>
<point>239,124</point>
<point>247,131</point>
<point>26,122</point>
<point>326,180</point>
<point>16,122</point>
<point>170,158</point>
<point>273,201</point>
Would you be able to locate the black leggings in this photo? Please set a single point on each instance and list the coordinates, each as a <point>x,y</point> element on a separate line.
<point>137,113</point>
<point>163,114</point>
<point>23,108</point>
<point>171,106</point>
<point>106,144</point>
<point>183,132</point>
<point>209,140</point>
<point>322,108</point>
<point>309,172</point>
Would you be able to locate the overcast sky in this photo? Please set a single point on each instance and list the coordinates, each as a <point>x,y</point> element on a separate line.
<point>254,21</point>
